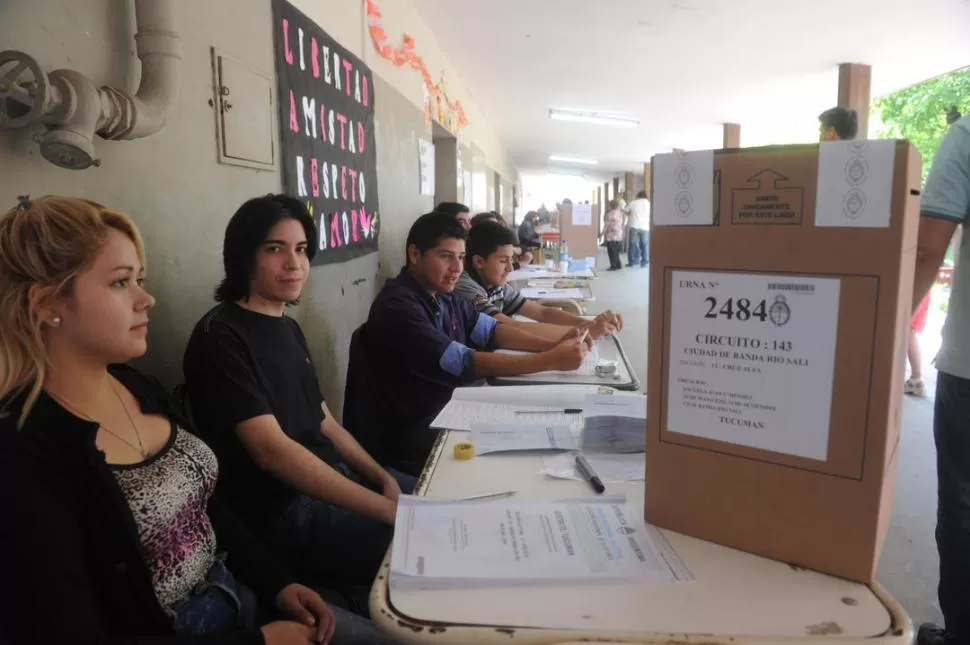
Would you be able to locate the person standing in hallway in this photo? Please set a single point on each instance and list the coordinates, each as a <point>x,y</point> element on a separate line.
<point>639,211</point>
<point>945,205</point>
<point>838,124</point>
<point>841,124</point>
<point>613,233</point>
<point>459,211</point>
<point>914,384</point>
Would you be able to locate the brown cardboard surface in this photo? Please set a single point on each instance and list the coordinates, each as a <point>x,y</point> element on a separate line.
<point>830,515</point>
<point>582,239</point>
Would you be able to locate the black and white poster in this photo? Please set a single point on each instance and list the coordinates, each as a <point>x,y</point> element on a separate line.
<point>326,104</point>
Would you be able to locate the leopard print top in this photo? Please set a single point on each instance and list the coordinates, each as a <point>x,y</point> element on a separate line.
<point>167,494</point>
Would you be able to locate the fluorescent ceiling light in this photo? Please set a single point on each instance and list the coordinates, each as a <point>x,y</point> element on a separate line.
<point>567,159</point>
<point>569,172</point>
<point>599,118</point>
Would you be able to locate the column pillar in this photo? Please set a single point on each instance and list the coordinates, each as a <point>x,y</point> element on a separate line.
<point>732,135</point>
<point>598,200</point>
<point>855,81</point>
<point>628,187</point>
<point>446,170</point>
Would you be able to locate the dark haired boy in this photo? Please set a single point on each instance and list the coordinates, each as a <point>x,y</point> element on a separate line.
<point>421,341</point>
<point>838,124</point>
<point>488,263</point>
<point>292,472</point>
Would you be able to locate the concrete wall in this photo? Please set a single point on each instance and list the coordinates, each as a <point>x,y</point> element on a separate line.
<point>182,198</point>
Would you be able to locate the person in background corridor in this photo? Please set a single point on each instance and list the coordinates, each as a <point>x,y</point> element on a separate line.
<point>838,124</point>
<point>522,256</point>
<point>528,238</point>
<point>639,212</point>
<point>459,211</point>
<point>914,384</point>
<point>946,204</point>
<point>613,233</point>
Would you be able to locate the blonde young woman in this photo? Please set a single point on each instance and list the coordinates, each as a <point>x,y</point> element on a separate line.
<point>110,527</point>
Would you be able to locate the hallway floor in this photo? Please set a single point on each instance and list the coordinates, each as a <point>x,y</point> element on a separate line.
<point>908,568</point>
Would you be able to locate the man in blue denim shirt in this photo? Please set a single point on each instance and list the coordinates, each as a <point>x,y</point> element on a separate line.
<point>946,204</point>
<point>422,341</point>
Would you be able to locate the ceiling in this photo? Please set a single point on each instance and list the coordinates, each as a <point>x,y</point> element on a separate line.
<point>682,67</point>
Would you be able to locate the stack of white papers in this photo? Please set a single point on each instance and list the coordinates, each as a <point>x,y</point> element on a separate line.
<point>536,271</point>
<point>534,293</point>
<point>461,414</point>
<point>454,544</point>
<point>517,437</point>
<point>615,423</point>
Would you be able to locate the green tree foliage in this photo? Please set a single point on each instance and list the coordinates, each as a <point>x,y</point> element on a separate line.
<point>919,113</point>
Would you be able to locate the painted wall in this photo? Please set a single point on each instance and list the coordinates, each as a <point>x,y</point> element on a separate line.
<point>182,198</point>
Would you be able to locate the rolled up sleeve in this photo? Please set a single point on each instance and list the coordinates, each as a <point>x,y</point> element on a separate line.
<point>457,359</point>
<point>513,300</point>
<point>483,330</point>
<point>404,334</point>
<point>947,191</point>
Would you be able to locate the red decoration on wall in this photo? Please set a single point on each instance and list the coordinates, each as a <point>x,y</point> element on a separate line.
<point>449,113</point>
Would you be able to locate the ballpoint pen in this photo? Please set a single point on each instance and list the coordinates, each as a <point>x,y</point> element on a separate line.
<point>587,472</point>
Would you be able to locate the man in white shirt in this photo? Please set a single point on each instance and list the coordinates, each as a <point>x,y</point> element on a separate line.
<point>944,206</point>
<point>639,212</point>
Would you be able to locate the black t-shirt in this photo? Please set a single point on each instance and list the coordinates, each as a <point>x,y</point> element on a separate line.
<point>240,364</point>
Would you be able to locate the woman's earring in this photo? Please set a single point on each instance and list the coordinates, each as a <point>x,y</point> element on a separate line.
<point>56,321</point>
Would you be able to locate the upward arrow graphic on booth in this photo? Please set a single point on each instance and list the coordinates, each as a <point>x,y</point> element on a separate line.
<point>763,201</point>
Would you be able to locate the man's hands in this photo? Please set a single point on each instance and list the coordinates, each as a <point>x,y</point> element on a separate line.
<point>390,488</point>
<point>568,354</point>
<point>607,322</point>
<point>313,622</point>
<point>577,333</point>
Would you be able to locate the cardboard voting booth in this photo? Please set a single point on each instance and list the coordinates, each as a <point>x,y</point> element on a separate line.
<point>780,299</point>
<point>577,228</point>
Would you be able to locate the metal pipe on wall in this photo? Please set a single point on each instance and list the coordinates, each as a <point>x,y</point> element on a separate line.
<point>76,108</point>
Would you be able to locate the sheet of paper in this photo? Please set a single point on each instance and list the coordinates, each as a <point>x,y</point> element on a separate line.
<point>615,423</point>
<point>514,437</point>
<point>527,273</point>
<point>498,404</point>
<point>610,468</point>
<point>632,406</point>
<point>526,396</point>
<point>582,215</point>
<point>683,188</point>
<point>586,368</point>
<point>752,358</point>
<point>855,182</point>
<point>464,415</point>
<point>552,294</point>
<point>559,283</point>
<point>521,543</point>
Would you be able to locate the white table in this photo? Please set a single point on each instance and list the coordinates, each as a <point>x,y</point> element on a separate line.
<point>610,349</point>
<point>737,598</point>
<point>539,273</point>
<point>545,295</point>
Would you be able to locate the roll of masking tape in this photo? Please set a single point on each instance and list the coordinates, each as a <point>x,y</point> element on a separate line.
<point>464,451</point>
